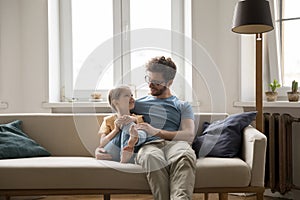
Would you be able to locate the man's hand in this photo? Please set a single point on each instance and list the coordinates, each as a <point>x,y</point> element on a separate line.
<point>101,154</point>
<point>185,133</point>
<point>148,128</point>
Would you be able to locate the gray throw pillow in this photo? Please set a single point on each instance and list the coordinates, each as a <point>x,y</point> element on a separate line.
<point>14,143</point>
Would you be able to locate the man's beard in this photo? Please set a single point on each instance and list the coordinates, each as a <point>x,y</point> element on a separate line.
<point>158,92</point>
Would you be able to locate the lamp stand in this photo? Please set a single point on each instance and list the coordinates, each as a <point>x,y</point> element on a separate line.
<point>259,92</point>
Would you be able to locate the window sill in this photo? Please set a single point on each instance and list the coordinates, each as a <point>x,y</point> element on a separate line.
<point>276,104</point>
<point>76,104</point>
<point>86,107</point>
<point>78,107</point>
<point>82,104</point>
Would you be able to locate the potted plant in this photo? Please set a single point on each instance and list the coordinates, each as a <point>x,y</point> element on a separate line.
<point>294,94</point>
<point>272,95</point>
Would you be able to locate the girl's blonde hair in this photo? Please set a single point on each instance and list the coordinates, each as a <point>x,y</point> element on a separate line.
<point>114,94</point>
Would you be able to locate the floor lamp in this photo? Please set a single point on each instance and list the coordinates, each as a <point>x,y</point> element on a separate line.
<point>254,17</point>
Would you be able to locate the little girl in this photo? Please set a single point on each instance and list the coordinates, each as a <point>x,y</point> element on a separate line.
<point>118,130</point>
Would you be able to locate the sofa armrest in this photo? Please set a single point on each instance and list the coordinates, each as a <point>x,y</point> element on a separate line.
<point>254,154</point>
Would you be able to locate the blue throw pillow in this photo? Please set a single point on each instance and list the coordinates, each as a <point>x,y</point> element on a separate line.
<point>14,143</point>
<point>223,138</point>
<point>196,145</point>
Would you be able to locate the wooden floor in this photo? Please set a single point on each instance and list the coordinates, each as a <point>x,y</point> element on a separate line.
<point>133,197</point>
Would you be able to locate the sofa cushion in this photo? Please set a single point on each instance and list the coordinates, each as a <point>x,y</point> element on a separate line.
<point>14,143</point>
<point>223,138</point>
<point>71,172</point>
<point>222,172</point>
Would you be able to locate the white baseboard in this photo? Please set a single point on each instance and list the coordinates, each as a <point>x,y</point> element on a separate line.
<point>243,194</point>
<point>288,195</point>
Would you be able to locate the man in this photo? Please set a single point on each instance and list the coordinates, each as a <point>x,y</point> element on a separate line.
<point>167,156</point>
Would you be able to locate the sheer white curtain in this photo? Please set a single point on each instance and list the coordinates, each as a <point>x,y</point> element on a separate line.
<point>272,69</point>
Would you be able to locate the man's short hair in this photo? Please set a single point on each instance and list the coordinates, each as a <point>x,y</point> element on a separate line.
<point>162,65</point>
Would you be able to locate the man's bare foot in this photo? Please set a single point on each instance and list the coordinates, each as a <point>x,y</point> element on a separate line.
<point>126,154</point>
<point>134,136</point>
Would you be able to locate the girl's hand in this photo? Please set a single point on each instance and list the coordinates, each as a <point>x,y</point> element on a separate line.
<point>118,124</point>
<point>125,119</point>
<point>101,154</point>
<point>148,128</point>
<point>132,119</point>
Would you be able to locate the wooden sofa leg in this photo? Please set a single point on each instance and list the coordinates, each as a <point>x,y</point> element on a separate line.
<point>106,196</point>
<point>260,196</point>
<point>205,196</point>
<point>223,196</point>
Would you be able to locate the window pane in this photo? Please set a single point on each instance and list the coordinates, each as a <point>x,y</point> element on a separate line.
<point>291,8</point>
<point>149,14</point>
<point>291,49</point>
<point>92,24</point>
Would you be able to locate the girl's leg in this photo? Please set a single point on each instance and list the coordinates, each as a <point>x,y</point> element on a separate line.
<point>130,139</point>
<point>114,147</point>
<point>142,137</point>
<point>132,136</point>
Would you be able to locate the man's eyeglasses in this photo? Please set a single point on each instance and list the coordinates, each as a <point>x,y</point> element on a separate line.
<point>155,82</point>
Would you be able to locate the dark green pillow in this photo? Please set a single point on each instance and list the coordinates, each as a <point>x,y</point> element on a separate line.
<point>14,143</point>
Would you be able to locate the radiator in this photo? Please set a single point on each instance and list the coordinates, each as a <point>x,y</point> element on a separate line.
<point>279,158</point>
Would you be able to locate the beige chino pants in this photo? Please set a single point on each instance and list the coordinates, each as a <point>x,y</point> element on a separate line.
<point>170,169</point>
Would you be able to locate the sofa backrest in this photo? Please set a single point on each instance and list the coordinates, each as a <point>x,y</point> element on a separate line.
<point>75,134</point>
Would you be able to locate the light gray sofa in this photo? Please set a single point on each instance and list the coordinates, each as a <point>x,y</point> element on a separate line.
<point>72,169</point>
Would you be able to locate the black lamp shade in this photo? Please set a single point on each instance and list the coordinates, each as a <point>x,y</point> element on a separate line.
<point>251,17</point>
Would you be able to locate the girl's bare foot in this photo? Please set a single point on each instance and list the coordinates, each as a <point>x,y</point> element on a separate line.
<point>126,154</point>
<point>134,136</point>
<point>127,151</point>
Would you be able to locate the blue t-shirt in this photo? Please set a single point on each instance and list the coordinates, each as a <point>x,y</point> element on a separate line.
<point>163,114</point>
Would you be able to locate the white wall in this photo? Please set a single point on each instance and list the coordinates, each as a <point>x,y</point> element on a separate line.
<point>212,30</point>
<point>23,55</point>
<point>23,51</point>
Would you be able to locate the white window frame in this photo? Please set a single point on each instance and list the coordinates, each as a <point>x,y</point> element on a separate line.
<point>60,45</point>
<point>280,20</point>
<point>282,91</point>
